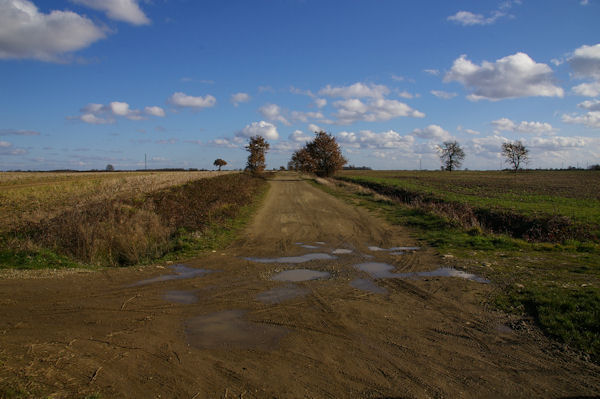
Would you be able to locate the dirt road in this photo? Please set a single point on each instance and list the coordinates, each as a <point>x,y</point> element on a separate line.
<point>231,324</point>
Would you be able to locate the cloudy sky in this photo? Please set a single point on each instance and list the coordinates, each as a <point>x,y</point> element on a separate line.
<point>85,83</point>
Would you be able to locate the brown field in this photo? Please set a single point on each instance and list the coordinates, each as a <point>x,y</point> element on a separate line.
<point>34,196</point>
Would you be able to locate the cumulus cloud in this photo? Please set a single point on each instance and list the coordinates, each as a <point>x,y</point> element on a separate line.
<point>99,114</point>
<point>298,136</point>
<point>320,102</point>
<point>238,98</point>
<point>507,125</point>
<point>184,101</point>
<point>490,144</point>
<point>372,140</point>
<point>314,128</point>
<point>434,72</point>
<point>120,10</point>
<point>380,109</point>
<point>588,89</point>
<point>262,128</point>
<point>357,90</point>
<point>154,111</point>
<point>432,132</point>
<point>273,112</point>
<point>27,33</point>
<point>589,119</point>
<point>585,62</point>
<point>467,18</point>
<point>513,76</point>
<point>295,90</point>
<point>227,142</point>
<point>445,95</point>
<point>405,94</point>
<point>591,105</point>
<point>557,143</point>
<point>17,132</point>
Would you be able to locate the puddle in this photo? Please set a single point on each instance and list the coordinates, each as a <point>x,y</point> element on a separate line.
<point>394,249</point>
<point>282,294</point>
<point>230,329</point>
<point>185,297</point>
<point>300,275</point>
<point>294,259</point>
<point>320,242</point>
<point>367,285</point>
<point>384,270</point>
<point>309,246</point>
<point>181,272</point>
<point>341,251</point>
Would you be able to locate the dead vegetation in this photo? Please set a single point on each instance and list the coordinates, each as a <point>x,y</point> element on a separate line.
<point>138,225</point>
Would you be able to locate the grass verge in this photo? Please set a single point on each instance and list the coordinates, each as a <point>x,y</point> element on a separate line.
<point>555,285</point>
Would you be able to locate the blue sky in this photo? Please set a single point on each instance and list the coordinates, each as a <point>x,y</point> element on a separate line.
<point>85,83</point>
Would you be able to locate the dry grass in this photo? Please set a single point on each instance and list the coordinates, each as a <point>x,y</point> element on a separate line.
<point>30,197</point>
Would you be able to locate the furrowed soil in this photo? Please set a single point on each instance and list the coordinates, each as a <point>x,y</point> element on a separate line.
<point>235,329</point>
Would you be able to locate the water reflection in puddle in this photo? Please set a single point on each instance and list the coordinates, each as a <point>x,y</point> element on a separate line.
<point>394,249</point>
<point>181,272</point>
<point>384,270</point>
<point>281,294</point>
<point>294,259</point>
<point>185,297</point>
<point>341,251</point>
<point>299,275</point>
<point>229,329</point>
<point>367,285</point>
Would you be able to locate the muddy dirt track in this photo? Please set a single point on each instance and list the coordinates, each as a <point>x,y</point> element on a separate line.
<point>228,326</point>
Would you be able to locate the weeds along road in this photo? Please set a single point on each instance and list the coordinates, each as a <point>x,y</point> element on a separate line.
<point>232,324</point>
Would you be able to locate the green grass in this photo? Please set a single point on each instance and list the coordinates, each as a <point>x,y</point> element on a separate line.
<point>562,193</point>
<point>554,284</point>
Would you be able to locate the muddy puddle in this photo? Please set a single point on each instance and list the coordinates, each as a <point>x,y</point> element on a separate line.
<point>282,294</point>
<point>181,272</point>
<point>294,259</point>
<point>367,285</point>
<point>394,250</point>
<point>296,275</point>
<point>341,251</point>
<point>384,270</point>
<point>230,329</point>
<point>184,297</point>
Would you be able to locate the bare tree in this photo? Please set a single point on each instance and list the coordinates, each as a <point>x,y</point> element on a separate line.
<point>516,154</point>
<point>322,156</point>
<point>219,163</point>
<point>110,168</point>
<point>257,147</point>
<point>451,155</point>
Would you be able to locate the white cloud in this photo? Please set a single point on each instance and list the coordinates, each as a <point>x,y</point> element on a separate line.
<point>27,33</point>
<point>262,128</point>
<point>513,76</point>
<point>229,143</point>
<point>405,94</point>
<point>314,128</point>
<point>434,72</point>
<point>183,100</point>
<point>432,132</point>
<point>588,89</point>
<point>5,144</point>
<point>467,18</point>
<point>352,110</point>
<point>357,90</point>
<point>99,114</point>
<point>298,116</point>
<point>589,119</point>
<point>120,10</point>
<point>295,90</point>
<point>585,62</point>
<point>238,98</point>
<point>490,144</point>
<point>6,148</point>
<point>507,125</point>
<point>556,143</point>
<point>443,94</point>
<point>372,140</point>
<point>154,111</point>
<point>299,136</point>
<point>320,102</point>
<point>273,112</point>
<point>590,105</point>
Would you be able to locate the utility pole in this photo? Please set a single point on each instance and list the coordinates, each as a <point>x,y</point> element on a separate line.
<point>419,163</point>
